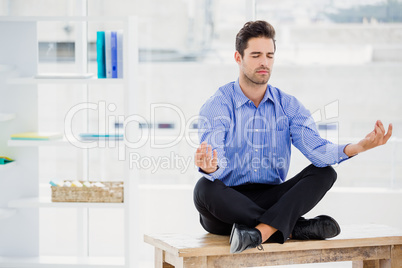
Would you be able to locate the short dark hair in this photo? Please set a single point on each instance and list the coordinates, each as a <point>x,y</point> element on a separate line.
<point>253,29</point>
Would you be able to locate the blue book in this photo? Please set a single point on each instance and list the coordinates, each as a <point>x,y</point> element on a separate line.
<point>113,47</point>
<point>120,54</point>
<point>97,136</point>
<point>100,54</point>
<point>108,54</point>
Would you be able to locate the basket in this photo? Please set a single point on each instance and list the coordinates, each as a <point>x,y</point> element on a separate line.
<point>113,192</point>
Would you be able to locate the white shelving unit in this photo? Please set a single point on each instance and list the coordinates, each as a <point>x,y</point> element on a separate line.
<point>21,238</point>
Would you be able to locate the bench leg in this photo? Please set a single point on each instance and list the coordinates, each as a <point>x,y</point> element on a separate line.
<point>373,264</point>
<point>367,264</point>
<point>159,260</point>
<point>394,262</point>
<point>396,256</point>
<point>166,260</point>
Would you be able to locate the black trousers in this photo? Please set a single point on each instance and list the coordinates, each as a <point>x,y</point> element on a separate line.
<point>279,206</point>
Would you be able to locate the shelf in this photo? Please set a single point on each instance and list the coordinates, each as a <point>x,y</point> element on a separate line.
<point>44,202</point>
<point>87,144</point>
<point>6,213</point>
<point>28,143</point>
<point>7,166</point>
<point>89,81</point>
<point>6,117</point>
<point>62,19</point>
<point>64,142</point>
<point>62,261</point>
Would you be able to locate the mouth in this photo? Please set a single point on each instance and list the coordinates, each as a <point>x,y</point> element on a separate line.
<point>262,71</point>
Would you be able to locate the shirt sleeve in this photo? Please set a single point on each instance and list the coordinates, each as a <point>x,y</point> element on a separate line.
<point>214,123</point>
<point>307,139</point>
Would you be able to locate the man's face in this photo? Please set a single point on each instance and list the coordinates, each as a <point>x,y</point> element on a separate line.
<point>257,61</point>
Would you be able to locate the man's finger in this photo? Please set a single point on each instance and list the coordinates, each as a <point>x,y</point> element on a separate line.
<point>198,149</point>
<point>208,153</point>
<point>389,133</point>
<point>215,154</point>
<point>203,145</point>
<point>199,155</point>
<point>378,132</point>
<point>215,158</point>
<point>378,136</point>
<point>381,126</point>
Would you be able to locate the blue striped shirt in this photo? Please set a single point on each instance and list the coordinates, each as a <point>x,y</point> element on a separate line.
<point>253,143</point>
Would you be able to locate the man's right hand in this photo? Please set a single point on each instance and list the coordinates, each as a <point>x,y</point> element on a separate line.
<point>206,159</point>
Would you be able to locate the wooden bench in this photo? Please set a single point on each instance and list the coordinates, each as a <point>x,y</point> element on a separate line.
<point>368,246</point>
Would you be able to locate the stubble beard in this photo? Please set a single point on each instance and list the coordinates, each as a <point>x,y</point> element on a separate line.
<point>256,80</point>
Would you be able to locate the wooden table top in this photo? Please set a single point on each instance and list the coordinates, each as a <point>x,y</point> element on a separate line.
<point>204,244</point>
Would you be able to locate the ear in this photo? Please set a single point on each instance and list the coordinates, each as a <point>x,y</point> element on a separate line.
<point>237,57</point>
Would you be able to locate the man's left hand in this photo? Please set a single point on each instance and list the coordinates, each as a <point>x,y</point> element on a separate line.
<point>375,138</point>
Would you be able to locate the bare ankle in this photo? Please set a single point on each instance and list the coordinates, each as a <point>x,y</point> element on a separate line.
<point>266,231</point>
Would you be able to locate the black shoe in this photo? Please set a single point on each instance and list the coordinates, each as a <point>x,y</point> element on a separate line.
<point>243,237</point>
<point>318,228</point>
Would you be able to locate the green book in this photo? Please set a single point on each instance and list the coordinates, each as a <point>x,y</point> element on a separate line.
<point>5,160</point>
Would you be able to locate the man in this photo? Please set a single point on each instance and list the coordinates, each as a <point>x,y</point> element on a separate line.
<point>246,130</point>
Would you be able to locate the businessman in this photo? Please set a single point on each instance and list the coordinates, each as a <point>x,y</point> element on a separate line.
<point>246,131</point>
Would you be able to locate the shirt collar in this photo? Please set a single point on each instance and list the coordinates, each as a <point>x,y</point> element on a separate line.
<point>241,99</point>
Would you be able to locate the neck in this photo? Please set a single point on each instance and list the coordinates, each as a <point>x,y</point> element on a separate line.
<point>255,92</point>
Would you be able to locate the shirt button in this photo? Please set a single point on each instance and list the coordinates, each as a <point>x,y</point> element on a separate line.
<point>340,158</point>
<point>255,170</point>
<point>256,150</point>
<point>256,130</point>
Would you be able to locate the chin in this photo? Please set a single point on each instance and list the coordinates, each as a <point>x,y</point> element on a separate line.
<point>263,82</point>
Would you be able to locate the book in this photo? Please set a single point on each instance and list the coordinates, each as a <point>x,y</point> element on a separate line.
<point>113,49</point>
<point>120,54</point>
<point>36,136</point>
<point>96,136</point>
<point>100,54</point>
<point>108,54</point>
<point>5,160</point>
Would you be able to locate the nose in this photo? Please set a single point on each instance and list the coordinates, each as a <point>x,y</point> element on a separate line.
<point>264,62</point>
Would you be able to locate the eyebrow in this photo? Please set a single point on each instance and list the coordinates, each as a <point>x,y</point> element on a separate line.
<point>257,52</point>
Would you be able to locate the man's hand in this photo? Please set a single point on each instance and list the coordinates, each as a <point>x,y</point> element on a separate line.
<point>206,159</point>
<point>373,139</point>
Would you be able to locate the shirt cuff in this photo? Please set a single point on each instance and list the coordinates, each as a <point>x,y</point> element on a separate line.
<point>341,153</point>
<point>212,176</point>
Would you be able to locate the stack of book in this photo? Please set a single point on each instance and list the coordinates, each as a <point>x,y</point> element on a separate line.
<point>109,54</point>
<point>36,136</point>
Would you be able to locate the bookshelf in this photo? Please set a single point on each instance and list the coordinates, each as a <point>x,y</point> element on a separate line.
<point>19,208</point>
